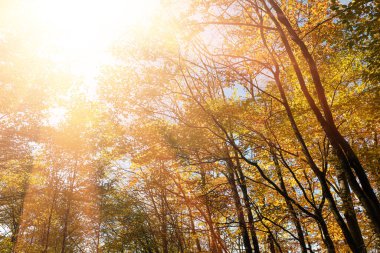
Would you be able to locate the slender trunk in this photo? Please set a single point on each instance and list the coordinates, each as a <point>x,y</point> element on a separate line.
<point>67,212</point>
<point>194,233</point>
<point>325,234</point>
<point>238,206</point>
<point>216,242</point>
<point>157,213</point>
<point>164,229</point>
<point>48,225</point>
<point>192,225</point>
<point>325,188</point>
<point>17,221</point>
<point>53,183</point>
<point>217,245</point>
<point>272,248</point>
<point>251,223</point>
<point>289,205</point>
<point>343,149</point>
<point>65,228</point>
<point>164,221</point>
<point>213,237</point>
<point>308,241</point>
<point>175,225</point>
<point>348,207</point>
<point>273,241</point>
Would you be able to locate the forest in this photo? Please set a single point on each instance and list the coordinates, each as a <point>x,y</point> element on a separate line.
<point>219,126</point>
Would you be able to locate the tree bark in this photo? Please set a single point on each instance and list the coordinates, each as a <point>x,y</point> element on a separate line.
<point>289,205</point>
<point>344,151</point>
<point>239,209</point>
<point>243,186</point>
<point>348,207</point>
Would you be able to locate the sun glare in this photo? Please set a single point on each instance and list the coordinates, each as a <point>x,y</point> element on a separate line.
<point>79,32</point>
<point>73,35</point>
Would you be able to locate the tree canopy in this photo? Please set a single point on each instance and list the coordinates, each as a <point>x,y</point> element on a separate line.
<point>206,126</point>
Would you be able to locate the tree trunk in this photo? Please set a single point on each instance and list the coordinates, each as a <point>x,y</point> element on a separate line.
<point>325,234</point>
<point>216,244</point>
<point>194,233</point>
<point>342,148</point>
<point>243,186</point>
<point>239,209</point>
<point>67,212</point>
<point>348,207</point>
<point>325,188</point>
<point>271,246</point>
<point>289,205</point>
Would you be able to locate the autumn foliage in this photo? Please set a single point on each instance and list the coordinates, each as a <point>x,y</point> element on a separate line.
<point>221,126</point>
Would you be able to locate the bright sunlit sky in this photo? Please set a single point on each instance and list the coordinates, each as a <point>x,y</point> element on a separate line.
<point>84,30</point>
<point>76,33</point>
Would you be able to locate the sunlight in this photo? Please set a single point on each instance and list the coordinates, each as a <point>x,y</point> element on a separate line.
<point>81,32</point>
<point>75,35</point>
<point>189,126</point>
